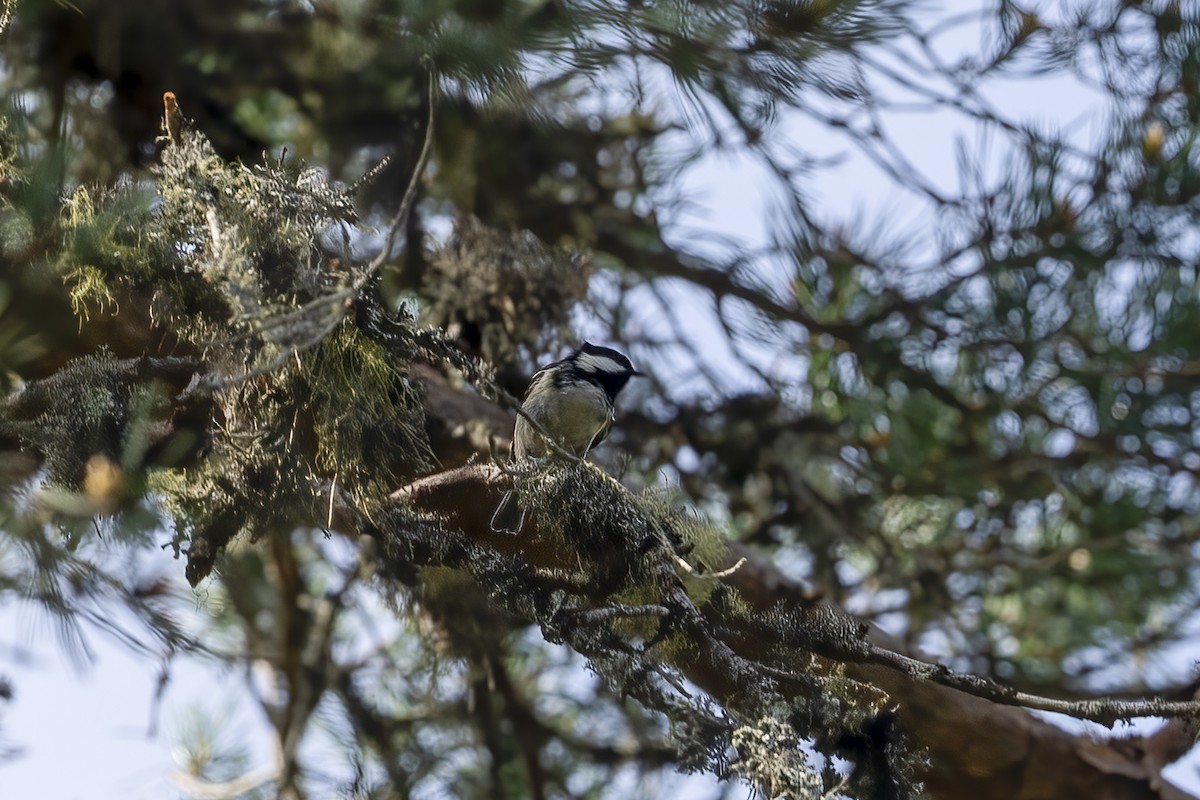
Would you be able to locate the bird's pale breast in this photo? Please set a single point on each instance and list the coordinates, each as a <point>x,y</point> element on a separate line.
<point>580,419</point>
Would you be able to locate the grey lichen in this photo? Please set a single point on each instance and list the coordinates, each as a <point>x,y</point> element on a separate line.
<point>501,290</point>
<point>301,368</point>
<point>94,405</point>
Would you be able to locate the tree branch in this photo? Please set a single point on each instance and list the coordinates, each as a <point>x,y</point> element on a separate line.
<point>463,498</point>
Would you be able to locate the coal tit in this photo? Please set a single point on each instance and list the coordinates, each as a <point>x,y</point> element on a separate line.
<point>573,400</point>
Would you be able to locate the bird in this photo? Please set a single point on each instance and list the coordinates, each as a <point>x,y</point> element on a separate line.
<point>572,400</point>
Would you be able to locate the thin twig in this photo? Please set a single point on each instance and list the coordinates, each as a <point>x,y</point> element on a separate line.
<point>725,573</point>
<point>329,513</point>
<point>194,787</point>
<point>411,192</point>
<point>1106,711</point>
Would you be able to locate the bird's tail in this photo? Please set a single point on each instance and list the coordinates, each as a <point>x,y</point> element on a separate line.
<point>509,517</point>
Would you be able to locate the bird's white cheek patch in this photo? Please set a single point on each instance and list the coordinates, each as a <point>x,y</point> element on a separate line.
<point>600,364</point>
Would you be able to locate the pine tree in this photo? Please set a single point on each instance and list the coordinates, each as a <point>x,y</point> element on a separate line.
<point>285,339</point>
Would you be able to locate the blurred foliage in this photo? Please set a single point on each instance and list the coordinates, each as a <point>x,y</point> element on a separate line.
<point>985,431</point>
